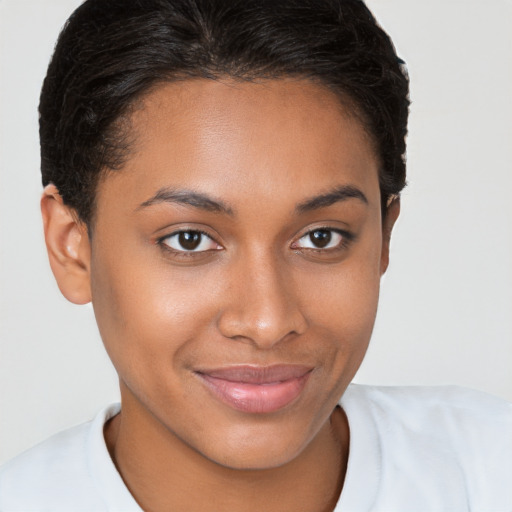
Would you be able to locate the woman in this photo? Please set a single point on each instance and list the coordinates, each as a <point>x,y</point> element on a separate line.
<point>221,181</point>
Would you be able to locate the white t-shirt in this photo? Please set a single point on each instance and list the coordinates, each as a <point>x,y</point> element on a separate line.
<point>412,449</point>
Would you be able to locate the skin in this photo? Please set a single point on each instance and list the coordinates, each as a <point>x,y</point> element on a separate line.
<point>258,294</point>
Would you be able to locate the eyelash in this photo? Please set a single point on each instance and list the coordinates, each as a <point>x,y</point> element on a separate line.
<point>184,253</point>
<point>346,239</point>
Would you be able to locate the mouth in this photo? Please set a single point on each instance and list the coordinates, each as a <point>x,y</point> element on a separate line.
<point>256,389</point>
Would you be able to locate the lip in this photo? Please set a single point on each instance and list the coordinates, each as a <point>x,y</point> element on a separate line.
<point>256,389</point>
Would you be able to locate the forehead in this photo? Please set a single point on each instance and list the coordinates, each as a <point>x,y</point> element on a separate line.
<point>244,140</point>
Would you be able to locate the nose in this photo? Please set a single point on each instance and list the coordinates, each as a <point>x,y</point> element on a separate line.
<point>262,305</point>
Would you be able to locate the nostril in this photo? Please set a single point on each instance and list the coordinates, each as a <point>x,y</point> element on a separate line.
<point>264,327</point>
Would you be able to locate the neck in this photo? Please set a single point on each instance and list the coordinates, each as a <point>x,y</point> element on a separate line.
<point>162,472</point>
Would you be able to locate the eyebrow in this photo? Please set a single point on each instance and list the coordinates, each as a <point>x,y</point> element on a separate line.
<point>339,194</point>
<point>204,202</point>
<point>188,197</point>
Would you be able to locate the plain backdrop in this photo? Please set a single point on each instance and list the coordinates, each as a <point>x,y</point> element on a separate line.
<point>446,306</point>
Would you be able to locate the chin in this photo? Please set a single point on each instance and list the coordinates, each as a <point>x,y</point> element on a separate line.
<point>255,460</point>
<point>259,447</point>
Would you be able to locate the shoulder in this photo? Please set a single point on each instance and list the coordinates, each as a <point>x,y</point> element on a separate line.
<point>443,443</point>
<point>55,474</point>
<point>409,404</point>
<point>472,422</point>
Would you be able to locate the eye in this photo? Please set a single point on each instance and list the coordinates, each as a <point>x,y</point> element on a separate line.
<point>189,241</point>
<point>323,238</point>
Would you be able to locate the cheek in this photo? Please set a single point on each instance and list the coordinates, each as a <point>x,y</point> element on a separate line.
<point>346,297</point>
<point>349,317</point>
<point>147,312</point>
<point>344,308</point>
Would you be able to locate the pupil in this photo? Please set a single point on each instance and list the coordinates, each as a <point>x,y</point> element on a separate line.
<point>189,240</point>
<point>320,237</point>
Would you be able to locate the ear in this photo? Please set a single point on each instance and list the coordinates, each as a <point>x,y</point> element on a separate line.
<point>67,243</point>
<point>392,212</point>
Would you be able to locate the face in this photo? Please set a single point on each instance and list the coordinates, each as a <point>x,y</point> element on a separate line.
<point>235,264</point>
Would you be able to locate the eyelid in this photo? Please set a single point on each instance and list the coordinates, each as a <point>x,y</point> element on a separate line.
<point>161,241</point>
<point>346,238</point>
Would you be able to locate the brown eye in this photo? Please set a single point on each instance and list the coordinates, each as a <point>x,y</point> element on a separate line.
<point>320,238</point>
<point>323,239</point>
<point>190,241</point>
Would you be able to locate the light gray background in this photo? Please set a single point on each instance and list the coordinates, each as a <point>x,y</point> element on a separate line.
<point>446,306</point>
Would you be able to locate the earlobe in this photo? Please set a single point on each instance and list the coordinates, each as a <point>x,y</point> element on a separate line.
<point>67,243</point>
<point>392,213</point>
